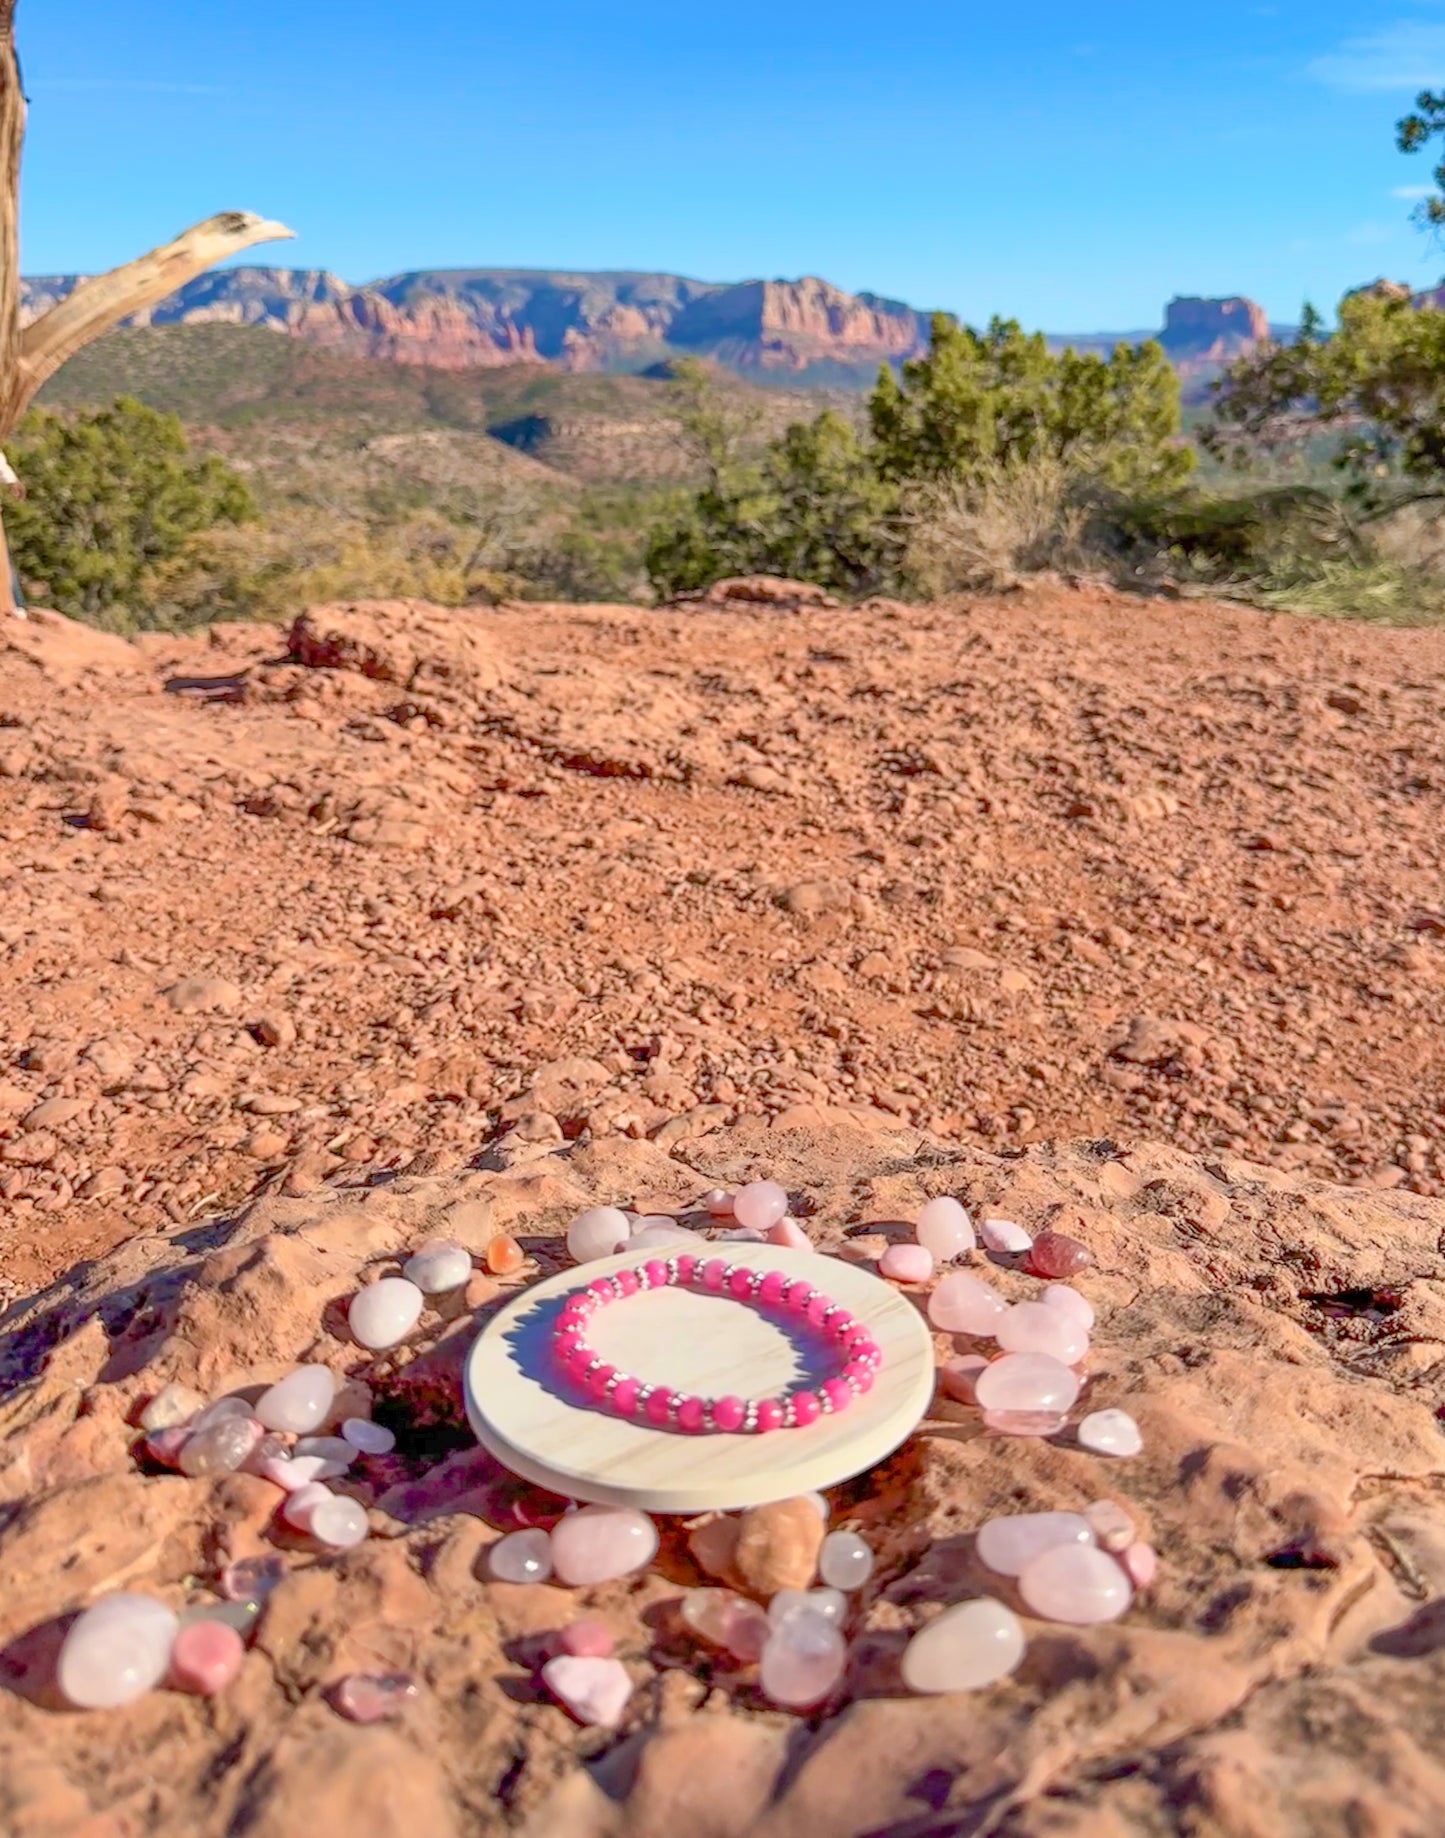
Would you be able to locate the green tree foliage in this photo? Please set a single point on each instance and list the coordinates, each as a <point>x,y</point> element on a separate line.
<point>1000,395</point>
<point>1376,388</point>
<point>826,505</point>
<point>1414,132</point>
<point>110,497</point>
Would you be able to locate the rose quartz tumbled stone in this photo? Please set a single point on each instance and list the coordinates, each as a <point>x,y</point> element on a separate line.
<point>116,1651</point>
<point>718,1204</point>
<point>598,1232</point>
<point>906,1263</point>
<point>1025,1422</point>
<point>1141,1563</point>
<point>374,1697</point>
<point>1003,1236</point>
<point>586,1640</point>
<point>760,1204</point>
<point>786,1231</point>
<point>1027,1381</point>
<point>594,1690</point>
<point>1032,1327</point>
<point>963,1304</point>
<point>1055,1254</point>
<point>1008,1544</point>
<point>944,1228</point>
<point>1110,1432</point>
<point>966,1647</point>
<point>959,1376</point>
<point>1112,1526</point>
<point>206,1656</point>
<point>384,1313</point>
<point>1077,1584</point>
<point>803,1659</point>
<point>1069,1301</point>
<point>600,1542</point>
<point>299,1402</point>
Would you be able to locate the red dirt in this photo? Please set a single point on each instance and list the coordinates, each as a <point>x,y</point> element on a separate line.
<point>1066,863</point>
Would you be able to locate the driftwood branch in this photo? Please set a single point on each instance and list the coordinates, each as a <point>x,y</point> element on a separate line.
<point>105,299</point>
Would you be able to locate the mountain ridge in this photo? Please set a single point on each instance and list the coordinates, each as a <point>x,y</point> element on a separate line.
<point>790,331</point>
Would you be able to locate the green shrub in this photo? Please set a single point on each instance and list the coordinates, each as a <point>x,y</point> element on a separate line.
<point>109,497</point>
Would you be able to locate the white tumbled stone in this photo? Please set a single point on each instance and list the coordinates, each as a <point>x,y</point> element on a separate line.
<point>968,1646</point>
<point>299,1402</point>
<point>438,1266</point>
<point>598,1232</point>
<point>1110,1432</point>
<point>119,1649</point>
<point>384,1313</point>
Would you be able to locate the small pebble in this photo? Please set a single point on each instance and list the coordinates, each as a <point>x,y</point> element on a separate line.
<point>116,1651</point>
<point>384,1313</point>
<point>299,1402</point>
<point>172,1405</point>
<point>221,1448</point>
<point>438,1266</point>
<point>1076,1584</point>
<point>206,1656</point>
<point>251,1579</point>
<point>598,1232</point>
<point>521,1557</point>
<point>596,1691</point>
<point>1025,1422</point>
<point>504,1254</point>
<point>1109,1432</point>
<point>788,1233</point>
<point>1141,1564</point>
<point>220,1412</point>
<point>906,1263</point>
<point>1111,1525</point>
<point>803,1660</point>
<point>1003,1236</point>
<point>339,1522</point>
<point>585,1640</point>
<point>1033,1327</point>
<point>1009,1543</point>
<point>718,1204</point>
<point>965,1648</point>
<point>830,1602</point>
<point>366,1437</point>
<point>845,1561</point>
<point>1027,1381</point>
<point>964,1304</point>
<point>165,1445</point>
<point>600,1542</point>
<point>374,1697</point>
<point>944,1229</point>
<point>760,1204</point>
<point>1055,1255</point>
<point>1059,1295</point>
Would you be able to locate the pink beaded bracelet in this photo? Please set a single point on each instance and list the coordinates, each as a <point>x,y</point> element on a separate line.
<point>680,1410</point>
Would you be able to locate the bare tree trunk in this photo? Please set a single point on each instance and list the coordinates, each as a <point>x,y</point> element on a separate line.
<point>28,357</point>
<point>12,134</point>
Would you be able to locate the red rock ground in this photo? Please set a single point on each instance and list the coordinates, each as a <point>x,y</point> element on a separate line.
<point>1061,863</point>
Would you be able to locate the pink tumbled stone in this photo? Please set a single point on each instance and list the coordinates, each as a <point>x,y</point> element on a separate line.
<point>802,1660</point>
<point>374,1697</point>
<point>1009,1544</point>
<point>599,1542</point>
<point>1025,1422</point>
<point>759,1204</point>
<point>1034,1327</point>
<point>1077,1584</point>
<point>789,1233</point>
<point>718,1204</point>
<point>298,1506</point>
<point>586,1640</point>
<point>1141,1563</point>
<point>943,1229</point>
<point>1027,1381</point>
<point>206,1656</point>
<point>595,1690</point>
<point>1068,1301</point>
<point>906,1263</point>
<point>963,1304</point>
<point>958,1376</point>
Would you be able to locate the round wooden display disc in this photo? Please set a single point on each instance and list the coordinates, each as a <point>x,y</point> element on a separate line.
<point>525,1415</point>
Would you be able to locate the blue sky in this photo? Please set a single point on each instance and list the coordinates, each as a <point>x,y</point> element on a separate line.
<point>1043,161</point>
